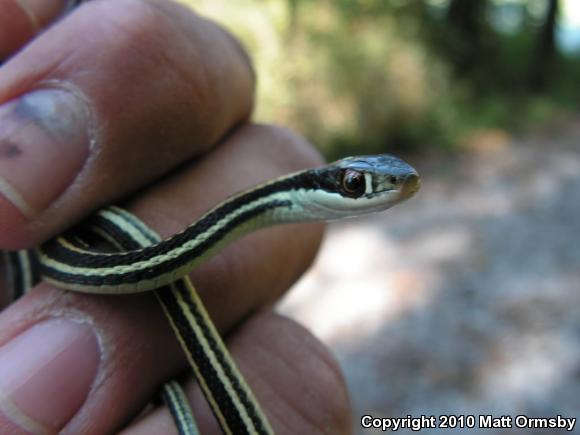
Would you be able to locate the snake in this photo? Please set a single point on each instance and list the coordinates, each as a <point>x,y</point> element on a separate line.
<point>114,252</point>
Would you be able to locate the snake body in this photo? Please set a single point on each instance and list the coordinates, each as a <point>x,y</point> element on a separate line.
<point>141,262</point>
<point>377,182</point>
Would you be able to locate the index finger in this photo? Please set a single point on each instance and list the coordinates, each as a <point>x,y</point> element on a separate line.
<point>107,100</point>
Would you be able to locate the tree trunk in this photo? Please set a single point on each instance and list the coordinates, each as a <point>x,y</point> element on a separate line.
<point>470,45</point>
<point>545,55</point>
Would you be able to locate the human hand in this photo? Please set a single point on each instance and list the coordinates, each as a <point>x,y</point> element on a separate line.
<point>115,101</point>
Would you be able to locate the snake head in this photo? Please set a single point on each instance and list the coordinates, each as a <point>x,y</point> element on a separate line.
<point>370,176</point>
<point>358,185</point>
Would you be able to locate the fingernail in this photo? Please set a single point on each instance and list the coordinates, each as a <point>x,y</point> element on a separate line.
<point>46,374</point>
<point>44,143</point>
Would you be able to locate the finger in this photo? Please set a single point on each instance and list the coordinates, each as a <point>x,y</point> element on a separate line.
<point>296,380</point>
<point>259,268</point>
<point>20,20</point>
<point>135,349</point>
<point>87,119</point>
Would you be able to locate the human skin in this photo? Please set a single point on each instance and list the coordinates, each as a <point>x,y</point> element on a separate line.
<point>144,104</point>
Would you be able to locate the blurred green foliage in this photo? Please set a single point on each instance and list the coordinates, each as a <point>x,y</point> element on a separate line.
<point>357,76</point>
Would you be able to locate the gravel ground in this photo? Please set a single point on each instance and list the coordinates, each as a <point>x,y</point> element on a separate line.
<point>465,300</point>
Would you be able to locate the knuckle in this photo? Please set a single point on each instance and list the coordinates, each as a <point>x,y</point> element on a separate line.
<point>315,390</point>
<point>133,24</point>
<point>333,412</point>
<point>147,37</point>
<point>295,149</point>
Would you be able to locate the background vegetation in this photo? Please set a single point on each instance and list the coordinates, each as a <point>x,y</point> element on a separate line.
<point>371,75</point>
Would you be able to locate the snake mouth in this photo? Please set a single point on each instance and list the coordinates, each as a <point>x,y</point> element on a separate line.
<point>411,185</point>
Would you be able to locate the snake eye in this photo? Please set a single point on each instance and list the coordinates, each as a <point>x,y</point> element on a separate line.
<point>393,180</point>
<point>353,183</point>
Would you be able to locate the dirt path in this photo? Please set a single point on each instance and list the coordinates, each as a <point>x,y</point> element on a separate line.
<point>466,300</point>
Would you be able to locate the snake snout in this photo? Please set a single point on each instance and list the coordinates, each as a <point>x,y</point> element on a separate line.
<point>411,185</point>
